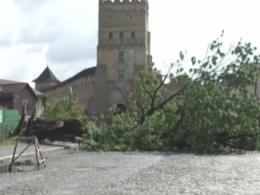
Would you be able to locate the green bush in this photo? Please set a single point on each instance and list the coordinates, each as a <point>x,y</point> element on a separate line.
<point>59,109</point>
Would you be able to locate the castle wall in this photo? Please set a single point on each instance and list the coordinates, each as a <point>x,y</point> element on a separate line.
<point>41,85</point>
<point>82,88</point>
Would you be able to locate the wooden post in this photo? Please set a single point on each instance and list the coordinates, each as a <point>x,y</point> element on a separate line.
<point>1,129</point>
<point>2,132</point>
<point>5,133</point>
<point>37,152</point>
<point>11,164</point>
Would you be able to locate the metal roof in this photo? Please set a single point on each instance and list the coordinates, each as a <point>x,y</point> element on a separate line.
<point>11,89</point>
<point>46,75</point>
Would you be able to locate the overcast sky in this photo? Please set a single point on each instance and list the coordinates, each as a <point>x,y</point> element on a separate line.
<point>64,32</point>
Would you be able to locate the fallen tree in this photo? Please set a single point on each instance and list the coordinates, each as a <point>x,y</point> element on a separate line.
<point>200,116</point>
<point>53,130</point>
<point>61,130</point>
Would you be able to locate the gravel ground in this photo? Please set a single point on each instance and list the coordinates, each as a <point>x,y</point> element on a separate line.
<point>8,150</point>
<point>87,173</point>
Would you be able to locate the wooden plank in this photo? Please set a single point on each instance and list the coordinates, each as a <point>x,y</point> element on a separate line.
<point>11,164</point>
<point>24,150</point>
<point>41,161</point>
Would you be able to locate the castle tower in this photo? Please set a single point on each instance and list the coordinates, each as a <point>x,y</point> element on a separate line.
<point>46,79</point>
<point>123,50</point>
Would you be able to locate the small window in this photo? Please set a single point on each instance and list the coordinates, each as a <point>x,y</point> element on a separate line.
<point>121,76</point>
<point>110,35</point>
<point>121,55</point>
<point>132,35</point>
<point>121,35</point>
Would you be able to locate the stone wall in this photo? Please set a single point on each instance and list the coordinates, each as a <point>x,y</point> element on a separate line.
<point>82,88</point>
<point>123,49</point>
<point>41,85</point>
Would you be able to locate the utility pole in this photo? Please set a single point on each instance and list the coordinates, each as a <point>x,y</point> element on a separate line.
<point>70,96</point>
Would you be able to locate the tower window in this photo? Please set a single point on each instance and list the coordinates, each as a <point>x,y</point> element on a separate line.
<point>121,55</point>
<point>121,35</point>
<point>132,35</point>
<point>110,35</point>
<point>121,76</point>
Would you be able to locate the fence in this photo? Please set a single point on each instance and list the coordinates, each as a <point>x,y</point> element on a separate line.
<point>4,131</point>
<point>9,119</point>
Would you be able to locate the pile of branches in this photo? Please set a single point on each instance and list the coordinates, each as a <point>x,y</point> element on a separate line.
<point>53,130</point>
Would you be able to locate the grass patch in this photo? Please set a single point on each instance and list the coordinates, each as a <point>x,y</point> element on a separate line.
<point>8,142</point>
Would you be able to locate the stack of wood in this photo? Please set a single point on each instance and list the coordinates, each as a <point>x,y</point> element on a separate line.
<point>53,130</point>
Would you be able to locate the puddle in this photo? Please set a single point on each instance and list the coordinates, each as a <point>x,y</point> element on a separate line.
<point>24,165</point>
<point>4,169</point>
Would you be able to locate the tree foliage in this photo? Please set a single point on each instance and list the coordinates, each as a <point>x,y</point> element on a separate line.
<point>61,109</point>
<point>199,117</point>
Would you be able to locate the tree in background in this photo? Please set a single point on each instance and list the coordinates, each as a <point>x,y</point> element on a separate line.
<point>62,109</point>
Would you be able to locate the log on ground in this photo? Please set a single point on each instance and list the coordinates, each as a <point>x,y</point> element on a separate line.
<point>58,130</point>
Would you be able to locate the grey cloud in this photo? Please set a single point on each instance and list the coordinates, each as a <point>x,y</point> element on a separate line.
<point>33,33</point>
<point>15,73</point>
<point>30,5</point>
<point>71,49</point>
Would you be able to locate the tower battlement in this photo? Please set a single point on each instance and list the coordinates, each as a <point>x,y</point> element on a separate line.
<point>123,5</point>
<point>105,2</point>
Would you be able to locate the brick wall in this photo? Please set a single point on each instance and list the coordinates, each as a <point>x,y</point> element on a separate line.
<point>41,85</point>
<point>82,88</point>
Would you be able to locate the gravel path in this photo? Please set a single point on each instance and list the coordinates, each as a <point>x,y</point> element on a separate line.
<point>8,150</point>
<point>87,173</point>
